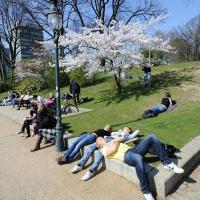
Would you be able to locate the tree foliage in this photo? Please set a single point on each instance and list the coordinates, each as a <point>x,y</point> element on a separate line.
<point>119,45</point>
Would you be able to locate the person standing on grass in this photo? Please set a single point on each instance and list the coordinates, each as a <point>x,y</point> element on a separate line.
<point>134,157</point>
<point>147,75</point>
<point>74,89</point>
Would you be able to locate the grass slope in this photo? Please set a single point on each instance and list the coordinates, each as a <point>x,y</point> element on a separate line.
<point>177,127</point>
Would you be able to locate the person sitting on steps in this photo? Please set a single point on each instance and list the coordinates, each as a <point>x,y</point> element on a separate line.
<point>28,121</point>
<point>45,123</point>
<point>133,156</point>
<point>85,139</point>
<point>98,156</point>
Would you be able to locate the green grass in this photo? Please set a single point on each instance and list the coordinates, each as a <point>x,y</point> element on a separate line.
<point>177,127</point>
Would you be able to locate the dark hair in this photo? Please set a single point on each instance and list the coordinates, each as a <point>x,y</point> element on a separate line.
<point>35,96</point>
<point>168,94</point>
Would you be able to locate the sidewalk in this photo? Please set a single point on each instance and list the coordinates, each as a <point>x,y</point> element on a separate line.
<point>36,176</point>
<point>189,189</point>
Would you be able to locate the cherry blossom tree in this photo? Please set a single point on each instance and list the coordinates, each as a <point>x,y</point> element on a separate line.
<point>118,46</point>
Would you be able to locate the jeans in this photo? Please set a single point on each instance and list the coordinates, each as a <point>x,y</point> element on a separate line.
<point>89,151</point>
<point>82,141</point>
<point>147,78</point>
<point>134,157</point>
<point>158,108</point>
<point>14,102</point>
<point>5,101</point>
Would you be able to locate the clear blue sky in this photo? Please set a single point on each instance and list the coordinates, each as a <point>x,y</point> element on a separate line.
<point>181,11</point>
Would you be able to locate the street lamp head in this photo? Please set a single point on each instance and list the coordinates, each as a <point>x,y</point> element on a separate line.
<point>55,17</point>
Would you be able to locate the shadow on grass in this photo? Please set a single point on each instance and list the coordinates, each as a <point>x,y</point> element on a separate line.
<point>66,126</point>
<point>129,122</point>
<point>159,81</point>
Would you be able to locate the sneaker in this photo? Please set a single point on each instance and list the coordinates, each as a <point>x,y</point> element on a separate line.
<point>173,166</point>
<point>22,134</point>
<point>87,176</point>
<point>148,196</point>
<point>19,132</point>
<point>76,169</point>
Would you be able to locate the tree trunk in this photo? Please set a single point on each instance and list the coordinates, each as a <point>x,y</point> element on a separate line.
<point>118,84</point>
<point>12,71</point>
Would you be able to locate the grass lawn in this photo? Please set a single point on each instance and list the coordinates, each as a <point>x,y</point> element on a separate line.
<point>177,127</point>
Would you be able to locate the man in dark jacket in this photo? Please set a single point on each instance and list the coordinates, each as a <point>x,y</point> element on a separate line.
<point>74,89</point>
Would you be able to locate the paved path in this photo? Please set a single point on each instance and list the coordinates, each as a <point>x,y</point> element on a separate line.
<point>189,189</point>
<point>36,176</point>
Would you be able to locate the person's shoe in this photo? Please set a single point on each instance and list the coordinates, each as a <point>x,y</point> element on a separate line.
<point>76,169</point>
<point>148,196</point>
<point>22,134</point>
<point>19,132</point>
<point>47,142</point>
<point>35,149</point>
<point>61,160</point>
<point>87,176</point>
<point>27,136</point>
<point>174,167</point>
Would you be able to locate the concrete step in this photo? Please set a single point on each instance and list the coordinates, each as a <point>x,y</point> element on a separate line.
<point>162,182</point>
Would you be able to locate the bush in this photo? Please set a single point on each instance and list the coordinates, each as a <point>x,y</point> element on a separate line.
<point>4,87</point>
<point>50,78</point>
<point>30,84</point>
<point>80,77</point>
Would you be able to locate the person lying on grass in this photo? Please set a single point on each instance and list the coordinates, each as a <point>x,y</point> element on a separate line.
<point>165,103</point>
<point>133,156</point>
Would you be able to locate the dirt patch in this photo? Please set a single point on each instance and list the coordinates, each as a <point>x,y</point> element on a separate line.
<point>191,92</point>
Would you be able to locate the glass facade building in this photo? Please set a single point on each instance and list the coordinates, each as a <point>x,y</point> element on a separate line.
<point>29,35</point>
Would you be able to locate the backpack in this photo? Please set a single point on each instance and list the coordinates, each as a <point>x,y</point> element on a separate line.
<point>170,149</point>
<point>149,113</point>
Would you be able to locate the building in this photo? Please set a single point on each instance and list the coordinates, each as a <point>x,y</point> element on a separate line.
<point>29,35</point>
<point>4,62</point>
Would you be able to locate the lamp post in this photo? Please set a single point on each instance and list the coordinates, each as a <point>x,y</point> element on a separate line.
<point>55,22</point>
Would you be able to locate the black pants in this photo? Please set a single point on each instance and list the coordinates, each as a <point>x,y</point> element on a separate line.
<point>22,102</point>
<point>26,125</point>
<point>76,98</point>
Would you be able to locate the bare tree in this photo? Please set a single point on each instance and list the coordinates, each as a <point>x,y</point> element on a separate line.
<point>187,39</point>
<point>11,18</point>
<point>108,10</point>
<point>4,63</point>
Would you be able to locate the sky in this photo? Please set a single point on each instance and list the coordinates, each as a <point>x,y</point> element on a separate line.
<point>180,12</point>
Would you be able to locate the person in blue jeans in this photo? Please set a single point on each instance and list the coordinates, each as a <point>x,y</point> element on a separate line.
<point>80,142</point>
<point>125,134</point>
<point>166,102</point>
<point>133,156</point>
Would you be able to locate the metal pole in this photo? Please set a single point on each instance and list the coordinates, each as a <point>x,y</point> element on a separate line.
<point>59,133</point>
<point>149,56</point>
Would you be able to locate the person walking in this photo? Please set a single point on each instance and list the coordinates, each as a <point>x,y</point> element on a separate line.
<point>74,89</point>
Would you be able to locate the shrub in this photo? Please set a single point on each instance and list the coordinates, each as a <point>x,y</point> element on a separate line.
<point>50,78</point>
<point>80,77</point>
<point>4,87</point>
<point>30,84</point>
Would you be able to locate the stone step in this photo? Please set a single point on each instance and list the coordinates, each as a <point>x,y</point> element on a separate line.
<point>162,182</point>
